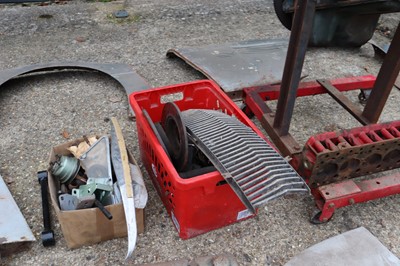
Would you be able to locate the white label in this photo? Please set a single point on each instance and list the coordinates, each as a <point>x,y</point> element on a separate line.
<point>176,223</point>
<point>153,167</point>
<point>243,214</point>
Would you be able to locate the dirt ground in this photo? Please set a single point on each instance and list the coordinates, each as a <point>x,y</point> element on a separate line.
<point>35,110</point>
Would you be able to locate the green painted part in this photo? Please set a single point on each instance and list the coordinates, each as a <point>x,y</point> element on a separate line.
<point>65,169</point>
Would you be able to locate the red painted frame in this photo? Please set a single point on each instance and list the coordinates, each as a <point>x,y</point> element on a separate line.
<point>330,197</point>
<point>271,92</point>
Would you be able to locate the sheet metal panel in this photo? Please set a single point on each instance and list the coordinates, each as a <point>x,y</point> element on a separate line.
<point>357,247</point>
<point>13,226</point>
<point>234,66</point>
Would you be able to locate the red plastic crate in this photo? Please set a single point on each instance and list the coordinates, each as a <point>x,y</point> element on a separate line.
<point>201,203</point>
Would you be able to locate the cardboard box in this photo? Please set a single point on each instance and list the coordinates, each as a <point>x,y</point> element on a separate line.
<point>89,226</point>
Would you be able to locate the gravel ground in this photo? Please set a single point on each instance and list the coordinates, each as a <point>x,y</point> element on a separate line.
<point>35,110</point>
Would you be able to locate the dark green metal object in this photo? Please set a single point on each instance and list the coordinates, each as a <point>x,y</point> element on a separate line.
<point>65,169</point>
<point>344,23</point>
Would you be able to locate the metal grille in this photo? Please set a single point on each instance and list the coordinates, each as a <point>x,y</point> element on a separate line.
<point>254,170</point>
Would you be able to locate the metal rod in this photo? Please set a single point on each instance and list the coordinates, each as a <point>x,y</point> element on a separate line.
<point>302,26</point>
<point>384,82</point>
<point>343,101</point>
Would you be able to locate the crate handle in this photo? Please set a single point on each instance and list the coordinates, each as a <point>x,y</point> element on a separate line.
<point>171,97</point>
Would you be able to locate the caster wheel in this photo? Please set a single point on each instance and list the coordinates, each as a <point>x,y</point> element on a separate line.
<point>315,218</point>
<point>363,96</point>
<point>246,110</point>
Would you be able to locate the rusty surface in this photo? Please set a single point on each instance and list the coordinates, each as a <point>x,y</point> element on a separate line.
<point>333,157</point>
<point>286,144</point>
<point>343,101</point>
<point>332,191</point>
<point>235,66</point>
<point>330,197</point>
<point>301,31</point>
<point>255,104</point>
<point>384,81</point>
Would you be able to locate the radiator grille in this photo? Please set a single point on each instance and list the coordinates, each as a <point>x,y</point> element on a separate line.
<point>254,170</point>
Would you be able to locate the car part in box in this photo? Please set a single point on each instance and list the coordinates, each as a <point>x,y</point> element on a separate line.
<point>175,131</point>
<point>119,157</point>
<point>357,247</point>
<point>323,163</point>
<point>89,226</point>
<point>65,169</point>
<point>15,234</point>
<point>139,189</point>
<point>186,157</point>
<point>97,162</point>
<point>70,202</point>
<point>100,205</point>
<point>122,73</point>
<point>255,171</point>
<point>47,233</point>
<point>101,191</point>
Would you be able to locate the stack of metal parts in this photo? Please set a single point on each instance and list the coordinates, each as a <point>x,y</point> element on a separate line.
<point>95,187</point>
<point>256,171</point>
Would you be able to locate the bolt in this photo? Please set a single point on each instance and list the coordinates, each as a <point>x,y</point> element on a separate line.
<point>296,147</point>
<point>351,201</point>
<point>324,220</point>
<point>272,115</point>
<point>331,205</point>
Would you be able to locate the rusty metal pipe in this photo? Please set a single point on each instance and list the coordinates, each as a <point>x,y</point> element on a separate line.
<point>302,27</point>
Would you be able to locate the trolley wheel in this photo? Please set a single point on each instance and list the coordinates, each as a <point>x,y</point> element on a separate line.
<point>315,218</point>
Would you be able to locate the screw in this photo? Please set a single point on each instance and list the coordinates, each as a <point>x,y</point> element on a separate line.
<point>331,205</point>
<point>324,220</point>
<point>296,147</point>
<point>272,115</point>
<point>351,201</point>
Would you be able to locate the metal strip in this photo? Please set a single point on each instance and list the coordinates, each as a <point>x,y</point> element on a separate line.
<point>302,27</point>
<point>343,101</point>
